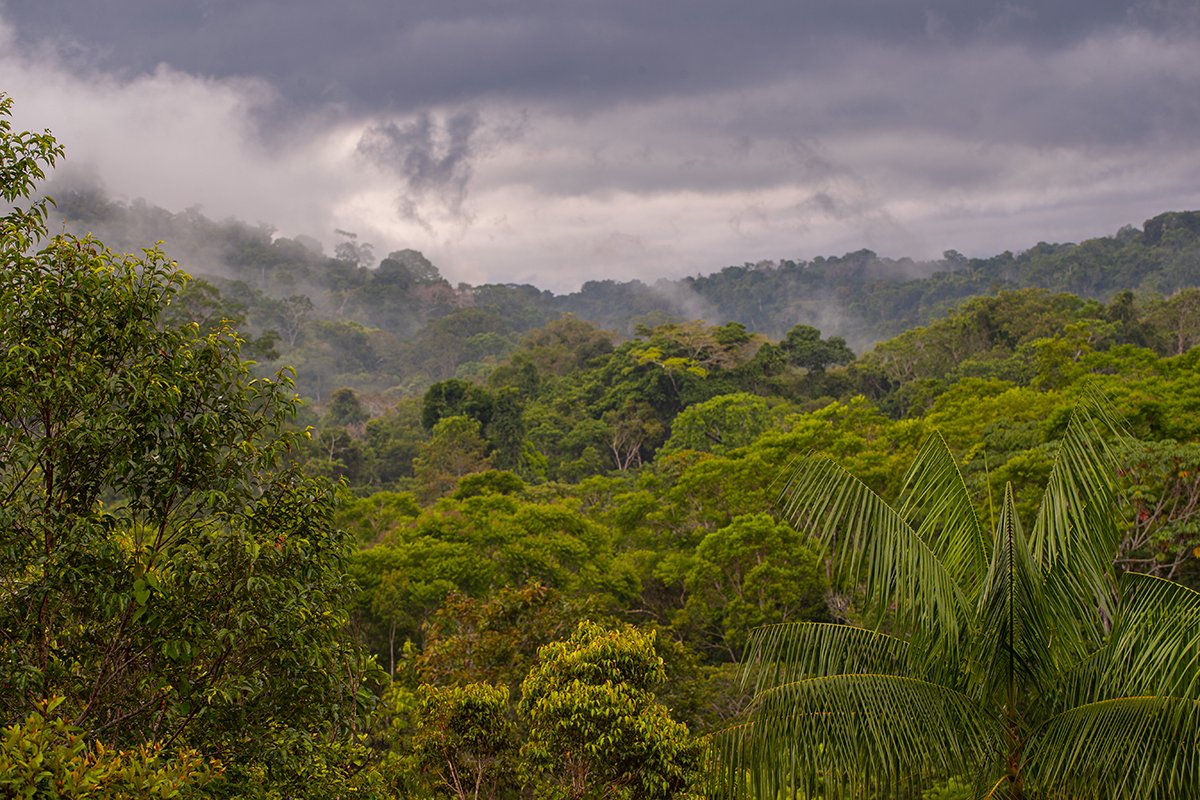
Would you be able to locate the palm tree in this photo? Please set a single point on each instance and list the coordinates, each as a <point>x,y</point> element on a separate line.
<point>1020,664</point>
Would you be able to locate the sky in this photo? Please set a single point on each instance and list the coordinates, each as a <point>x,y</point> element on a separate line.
<point>558,141</point>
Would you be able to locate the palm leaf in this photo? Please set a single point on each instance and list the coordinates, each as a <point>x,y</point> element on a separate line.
<point>934,488</point>
<point>859,735</point>
<point>1013,626</point>
<point>1076,535</point>
<point>789,652</point>
<point>902,579</point>
<point>1126,747</point>
<point>1154,649</point>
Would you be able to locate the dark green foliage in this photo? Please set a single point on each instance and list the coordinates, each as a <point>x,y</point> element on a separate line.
<point>454,398</point>
<point>168,580</point>
<point>755,571</point>
<point>393,440</point>
<point>804,347</point>
<point>345,410</point>
<point>561,472</point>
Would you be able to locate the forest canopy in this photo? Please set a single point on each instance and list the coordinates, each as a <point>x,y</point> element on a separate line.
<point>315,526</point>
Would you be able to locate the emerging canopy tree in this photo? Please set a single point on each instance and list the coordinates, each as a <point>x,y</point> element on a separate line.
<point>1019,662</point>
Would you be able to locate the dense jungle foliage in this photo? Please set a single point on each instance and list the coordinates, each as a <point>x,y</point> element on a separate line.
<point>503,543</point>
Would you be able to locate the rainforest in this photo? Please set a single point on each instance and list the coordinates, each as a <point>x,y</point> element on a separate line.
<point>281,523</point>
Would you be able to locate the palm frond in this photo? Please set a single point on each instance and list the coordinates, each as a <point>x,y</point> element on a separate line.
<point>934,488</point>
<point>873,548</point>
<point>859,735</point>
<point>1013,625</point>
<point>1154,648</point>
<point>789,652</point>
<point>1076,534</point>
<point>1127,747</point>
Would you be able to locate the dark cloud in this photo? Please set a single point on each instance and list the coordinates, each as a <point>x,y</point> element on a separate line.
<point>432,158</point>
<point>401,56</point>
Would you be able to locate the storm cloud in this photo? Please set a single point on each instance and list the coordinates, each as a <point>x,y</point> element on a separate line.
<point>554,143</point>
<point>430,157</point>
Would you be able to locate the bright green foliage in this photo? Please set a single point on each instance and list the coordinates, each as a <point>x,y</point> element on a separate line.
<point>708,493</point>
<point>983,331</point>
<point>466,740</point>
<point>24,158</point>
<point>475,546</point>
<point>46,757</point>
<point>632,431</point>
<point>1017,663</point>
<point>952,789</point>
<point>161,569</point>
<point>719,425</point>
<point>596,730</point>
<point>401,584</point>
<point>854,431</point>
<point>370,518</point>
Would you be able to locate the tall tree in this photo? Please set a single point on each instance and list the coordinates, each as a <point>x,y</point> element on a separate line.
<point>165,580</point>
<point>1023,665</point>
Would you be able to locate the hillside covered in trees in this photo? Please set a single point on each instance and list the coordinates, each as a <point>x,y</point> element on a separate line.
<point>394,324</point>
<point>509,544</point>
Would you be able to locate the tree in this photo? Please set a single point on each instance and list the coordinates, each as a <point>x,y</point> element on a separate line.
<point>804,347</point>
<point>1035,671</point>
<point>752,572</point>
<point>346,411</point>
<point>596,730</point>
<point>166,581</point>
<point>45,756</point>
<point>565,344</point>
<point>393,440</point>
<point>465,740</point>
<point>1178,319</point>
<point>414,264</point>
<point>724,423</point>
<point>496,638</point>
<point>455,449</point>
<point>292,315</point>
<point>1163,488</point>
<point>455,397</point>
<point>632,430</point>
<point>505,431</point>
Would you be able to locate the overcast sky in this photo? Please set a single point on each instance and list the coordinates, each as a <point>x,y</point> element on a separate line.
<point>558,141</point>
